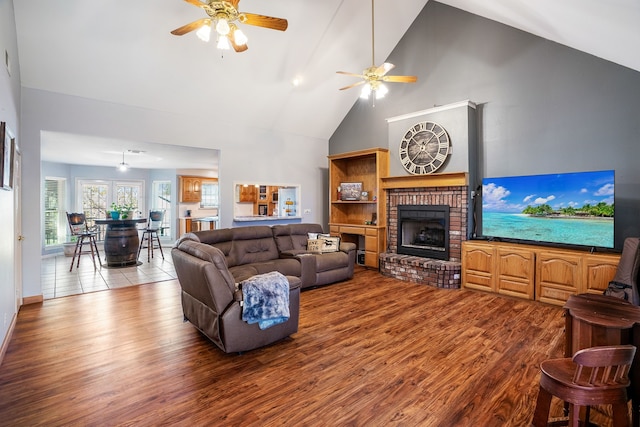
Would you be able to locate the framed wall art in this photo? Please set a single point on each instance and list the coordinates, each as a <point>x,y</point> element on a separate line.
<point>7,146</point>
<point>350,190</point>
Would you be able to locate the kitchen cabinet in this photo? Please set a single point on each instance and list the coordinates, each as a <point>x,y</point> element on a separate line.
<point>247,194</point>
<point>190,189</point>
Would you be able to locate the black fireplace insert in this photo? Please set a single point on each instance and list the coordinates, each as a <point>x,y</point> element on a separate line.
<point>423,230</point>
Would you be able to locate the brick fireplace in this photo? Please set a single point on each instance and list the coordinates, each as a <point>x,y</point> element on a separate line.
<point>449,190</point>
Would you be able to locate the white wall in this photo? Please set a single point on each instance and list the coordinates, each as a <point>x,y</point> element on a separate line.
<point>246,154</point>
<point>9,108</point>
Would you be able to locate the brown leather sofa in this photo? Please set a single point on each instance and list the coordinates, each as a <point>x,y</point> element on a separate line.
<point>261,249</point>
<point>210,263</point>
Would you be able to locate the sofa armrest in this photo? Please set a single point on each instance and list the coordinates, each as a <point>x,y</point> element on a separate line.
<point>347,247</point>
<point>307,265</point>
<point>293,253</point>
<point>307,269</point>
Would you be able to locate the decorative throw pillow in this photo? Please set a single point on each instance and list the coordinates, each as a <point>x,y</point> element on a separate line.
<point>312,236</point>
<point>314,246</point>
<point>329,243</point>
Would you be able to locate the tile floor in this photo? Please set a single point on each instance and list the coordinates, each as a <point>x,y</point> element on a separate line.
<point>57,281</point>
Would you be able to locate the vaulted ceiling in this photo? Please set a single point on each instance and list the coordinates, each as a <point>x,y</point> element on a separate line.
<point>122,52</point>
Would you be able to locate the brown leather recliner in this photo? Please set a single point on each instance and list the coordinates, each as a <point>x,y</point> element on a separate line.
<point>211,302</point>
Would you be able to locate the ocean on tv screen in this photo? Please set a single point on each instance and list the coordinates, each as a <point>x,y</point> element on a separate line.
<point>568,208</point>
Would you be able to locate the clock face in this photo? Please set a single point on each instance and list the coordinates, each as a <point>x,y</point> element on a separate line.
<point>424,148</point>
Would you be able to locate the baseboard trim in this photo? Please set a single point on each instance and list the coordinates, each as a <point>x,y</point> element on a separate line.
<point>7,338</point>
<point>36,299</point>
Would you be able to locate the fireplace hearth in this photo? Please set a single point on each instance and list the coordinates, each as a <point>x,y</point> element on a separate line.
<point>423,230</point>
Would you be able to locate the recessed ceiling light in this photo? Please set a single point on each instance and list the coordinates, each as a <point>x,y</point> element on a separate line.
<point>297,81</point>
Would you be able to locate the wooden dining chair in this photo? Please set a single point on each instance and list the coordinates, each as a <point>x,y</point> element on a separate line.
<point>593,376</point>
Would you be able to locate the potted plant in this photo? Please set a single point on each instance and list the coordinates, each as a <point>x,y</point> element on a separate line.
<point>69,246</point>
<point>124,211</point>
<point>115,211</point>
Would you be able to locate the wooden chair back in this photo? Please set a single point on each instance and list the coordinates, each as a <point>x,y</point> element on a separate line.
<point>603,366</point>
<point>77,223</point>
<point>155,220</point>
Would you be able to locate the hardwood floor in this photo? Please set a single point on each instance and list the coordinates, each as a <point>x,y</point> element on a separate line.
<point>371,351</point>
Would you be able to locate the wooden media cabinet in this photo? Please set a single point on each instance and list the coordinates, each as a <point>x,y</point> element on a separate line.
<point>540,273</point>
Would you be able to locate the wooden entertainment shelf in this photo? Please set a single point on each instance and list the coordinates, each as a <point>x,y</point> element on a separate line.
<point>532,272</point>
<point>360,221</point>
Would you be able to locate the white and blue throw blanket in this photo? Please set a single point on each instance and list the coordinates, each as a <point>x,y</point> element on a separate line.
<point>266,299</point>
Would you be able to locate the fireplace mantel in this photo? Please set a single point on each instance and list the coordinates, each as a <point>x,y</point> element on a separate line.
<point>431,180</point>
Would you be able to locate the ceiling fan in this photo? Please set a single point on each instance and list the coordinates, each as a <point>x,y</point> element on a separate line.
<point>373,76</point>
<point>224,16</point>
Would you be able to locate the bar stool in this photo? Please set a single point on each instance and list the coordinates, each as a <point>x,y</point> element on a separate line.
<point>150,233</point>
<point>84,235</point>
<point>594,376</point>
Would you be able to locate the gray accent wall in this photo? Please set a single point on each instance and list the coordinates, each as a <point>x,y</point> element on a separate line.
<point>541,107</point>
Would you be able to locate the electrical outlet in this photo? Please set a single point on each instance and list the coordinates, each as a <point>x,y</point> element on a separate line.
<point>307,211</point>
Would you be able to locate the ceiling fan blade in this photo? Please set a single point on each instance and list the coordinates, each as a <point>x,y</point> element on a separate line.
<point>400,79</point>
<point>384,69</point>
<point>264,21</point>
<point>197,3</point>
<point>350,74</point>
<point>190,27</point>
<point>353,85</point>
<point>234,3</point>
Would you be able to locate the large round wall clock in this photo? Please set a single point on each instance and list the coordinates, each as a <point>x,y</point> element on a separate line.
<point>424,148</point>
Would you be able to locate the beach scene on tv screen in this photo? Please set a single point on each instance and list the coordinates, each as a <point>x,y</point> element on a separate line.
<point>567,208</point>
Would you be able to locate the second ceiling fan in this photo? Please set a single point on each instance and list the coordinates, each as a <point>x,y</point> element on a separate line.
<point>374,76</point>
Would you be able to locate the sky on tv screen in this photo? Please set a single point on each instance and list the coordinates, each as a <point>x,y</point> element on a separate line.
<point>513,194</point>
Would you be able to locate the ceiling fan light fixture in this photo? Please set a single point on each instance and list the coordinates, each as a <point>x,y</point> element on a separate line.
<point>204,32</point>
<point>239,37</point>
<point>381,91</point>
<point>223,43</point>
<point>366,91</point>
<point>224,16</point>
<point>222,27</point>
<point>373,76</point>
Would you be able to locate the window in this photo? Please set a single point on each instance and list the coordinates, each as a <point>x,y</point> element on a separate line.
<point>130,194</point>
<point>55,218</point>
<point>161,200</point>
<point>95,196</point>
<point>209,198</point>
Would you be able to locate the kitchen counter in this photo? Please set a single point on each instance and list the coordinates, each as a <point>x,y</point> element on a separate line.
<point>190,223</point>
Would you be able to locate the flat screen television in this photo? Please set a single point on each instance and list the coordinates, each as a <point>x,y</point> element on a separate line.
<point>564,208</point>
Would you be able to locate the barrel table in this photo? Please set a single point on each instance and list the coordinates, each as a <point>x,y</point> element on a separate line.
<point>121,241</point>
